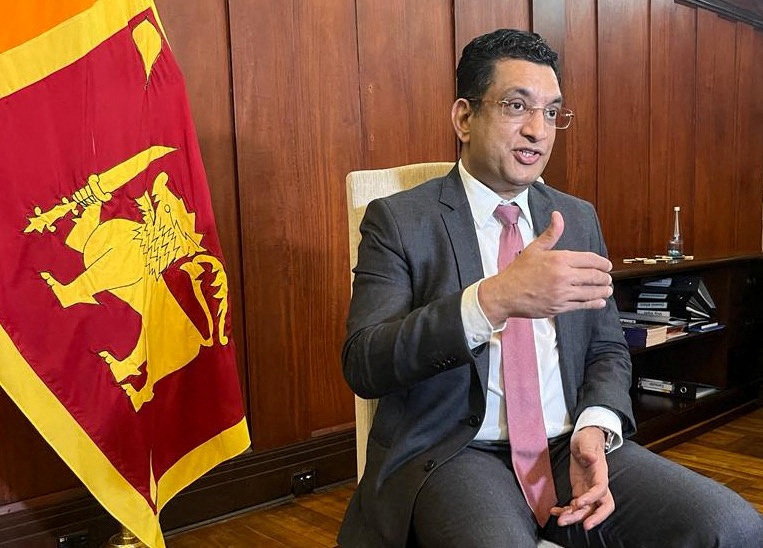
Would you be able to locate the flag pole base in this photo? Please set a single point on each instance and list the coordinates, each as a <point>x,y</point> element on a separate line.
<point>124,539</point>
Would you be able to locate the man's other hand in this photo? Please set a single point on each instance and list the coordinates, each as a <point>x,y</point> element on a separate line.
<point>592,500</point>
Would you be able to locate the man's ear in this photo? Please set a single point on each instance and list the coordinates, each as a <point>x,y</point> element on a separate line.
<point>461,116</point>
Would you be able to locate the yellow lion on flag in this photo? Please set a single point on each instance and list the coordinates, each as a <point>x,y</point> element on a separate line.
<point>127,259</point>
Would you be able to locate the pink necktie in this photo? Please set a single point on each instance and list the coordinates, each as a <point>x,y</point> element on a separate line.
<point>524,414</point>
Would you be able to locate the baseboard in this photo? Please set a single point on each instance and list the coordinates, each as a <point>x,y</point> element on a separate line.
<point>243,483</point>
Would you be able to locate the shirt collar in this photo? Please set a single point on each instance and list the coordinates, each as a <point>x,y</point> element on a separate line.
<point>483,200</point>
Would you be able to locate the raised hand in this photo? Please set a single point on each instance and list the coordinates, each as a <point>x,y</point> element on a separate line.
<point>542,282</point>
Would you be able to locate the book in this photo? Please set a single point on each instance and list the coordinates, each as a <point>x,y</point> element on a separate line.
<point>642,335</point>
<point>682,389</point>
<point>678,330</point>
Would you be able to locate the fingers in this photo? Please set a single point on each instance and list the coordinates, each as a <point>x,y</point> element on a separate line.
<point>551,235</point>
<point>602,512</point>
<point>591,515</point>
<point>589,260</point>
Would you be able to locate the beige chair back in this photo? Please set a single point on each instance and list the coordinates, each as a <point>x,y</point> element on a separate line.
<point>362,187</point>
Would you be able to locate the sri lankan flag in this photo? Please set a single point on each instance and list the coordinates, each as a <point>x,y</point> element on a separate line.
<point>114,320</point>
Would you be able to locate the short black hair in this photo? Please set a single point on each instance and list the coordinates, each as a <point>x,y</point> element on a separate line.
<point>474,74</point>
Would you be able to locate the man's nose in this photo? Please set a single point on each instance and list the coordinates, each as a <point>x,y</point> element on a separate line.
<point>535,126</point>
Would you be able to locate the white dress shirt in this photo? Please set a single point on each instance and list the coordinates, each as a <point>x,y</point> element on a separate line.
<point>478,329</point>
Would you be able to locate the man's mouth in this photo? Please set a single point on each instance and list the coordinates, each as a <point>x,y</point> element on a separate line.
<point>527,156</point>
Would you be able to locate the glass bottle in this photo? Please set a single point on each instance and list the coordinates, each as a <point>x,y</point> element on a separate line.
<point>676,243</point>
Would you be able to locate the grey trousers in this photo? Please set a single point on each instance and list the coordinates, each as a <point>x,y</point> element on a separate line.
<point>474,501</point>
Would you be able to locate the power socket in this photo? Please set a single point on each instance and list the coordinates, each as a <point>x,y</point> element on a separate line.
<point>303,483</point>
<point>78,539</point>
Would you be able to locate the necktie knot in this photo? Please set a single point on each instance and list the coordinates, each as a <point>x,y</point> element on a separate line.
<point>507,214</point>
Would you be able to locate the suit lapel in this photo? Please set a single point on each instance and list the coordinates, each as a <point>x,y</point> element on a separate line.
<point>457,216</point>
<point>459,223</point>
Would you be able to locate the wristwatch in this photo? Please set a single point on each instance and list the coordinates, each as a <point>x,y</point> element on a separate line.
<point>609,438</point>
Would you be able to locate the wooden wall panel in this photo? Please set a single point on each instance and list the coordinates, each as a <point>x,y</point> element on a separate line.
<point>716,145</point>
<point>623,138</point>
<point>749,138</point>
<point>297,136</point>
<point>407,81</point>
<point>200,39</point>
<point>671,113</point>
<point>581,94</point>
<point>475,17</point>
<point>28,466</point>
<point>549,20</point>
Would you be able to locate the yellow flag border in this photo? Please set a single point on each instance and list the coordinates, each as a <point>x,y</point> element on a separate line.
<point>20,67</point>
<point>76,448</point>
<point>66,43</point>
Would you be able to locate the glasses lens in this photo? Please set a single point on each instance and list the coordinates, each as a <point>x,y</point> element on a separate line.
<point>563,119</point>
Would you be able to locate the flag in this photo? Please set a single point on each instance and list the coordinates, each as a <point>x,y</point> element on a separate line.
<point>114,314</point>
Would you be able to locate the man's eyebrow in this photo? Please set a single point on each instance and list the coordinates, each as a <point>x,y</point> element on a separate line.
<point>527,94</point>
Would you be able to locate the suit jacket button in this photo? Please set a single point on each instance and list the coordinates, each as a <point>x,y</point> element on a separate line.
<point>474,420</point>
<point>429,465</point>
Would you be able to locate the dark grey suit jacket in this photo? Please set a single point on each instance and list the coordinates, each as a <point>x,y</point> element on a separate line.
<point>406,346</point>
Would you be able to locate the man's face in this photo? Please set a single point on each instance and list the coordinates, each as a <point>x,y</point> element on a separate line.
<point>505,153</point>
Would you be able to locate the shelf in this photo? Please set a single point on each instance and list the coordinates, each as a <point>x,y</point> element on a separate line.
<point>660,416</point>
<point>675,341</point>
<point>730,358</point>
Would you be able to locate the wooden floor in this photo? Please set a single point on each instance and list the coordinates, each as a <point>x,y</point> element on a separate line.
<point>732,454</point>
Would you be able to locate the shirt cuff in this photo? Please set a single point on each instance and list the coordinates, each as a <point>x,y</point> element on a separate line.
<point>477,328</point>
<point>603,418</point>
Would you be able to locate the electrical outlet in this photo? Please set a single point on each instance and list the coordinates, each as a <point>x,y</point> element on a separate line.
<point>78,539</point>
<point>303,483</point>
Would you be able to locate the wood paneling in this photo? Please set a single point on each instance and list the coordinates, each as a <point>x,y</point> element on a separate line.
<point>199,36</point>
<point>549,20</point>
<point>671,115</point>
<point>407,81</point>
<point>749,12</point>
<point>28,466</point>
<point>623,132</point>
<point>716,192</point>
<point>475,17</point>
<point>297,136</point>
<point>581,94</point>
<point>749,139</point>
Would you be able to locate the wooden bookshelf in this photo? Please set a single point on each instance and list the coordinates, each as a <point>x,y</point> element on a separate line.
<point>730,358</point>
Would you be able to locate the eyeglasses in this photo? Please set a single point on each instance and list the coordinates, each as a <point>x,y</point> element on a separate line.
<point>518,112</point>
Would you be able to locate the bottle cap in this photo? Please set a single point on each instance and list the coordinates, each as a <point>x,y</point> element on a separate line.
<point>677,208</point>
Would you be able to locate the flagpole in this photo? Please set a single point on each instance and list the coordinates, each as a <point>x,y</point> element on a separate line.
<point>124,539</point>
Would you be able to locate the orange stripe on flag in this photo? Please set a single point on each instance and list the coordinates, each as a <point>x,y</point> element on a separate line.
<point>23,20</point>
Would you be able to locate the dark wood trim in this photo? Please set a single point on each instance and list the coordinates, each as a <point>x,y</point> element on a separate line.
<point>638,270</point>
<point>729,9</point>
<point>243,483</point>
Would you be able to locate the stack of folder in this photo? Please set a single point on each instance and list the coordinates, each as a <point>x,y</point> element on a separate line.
<point>683,296</point>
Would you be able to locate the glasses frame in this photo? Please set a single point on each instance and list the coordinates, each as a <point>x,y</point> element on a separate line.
<point>529,112</point>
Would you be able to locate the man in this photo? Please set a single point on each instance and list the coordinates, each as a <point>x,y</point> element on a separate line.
<point>437,331</point>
